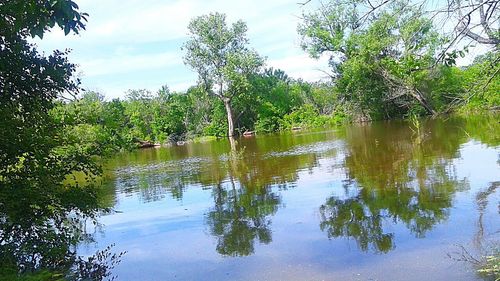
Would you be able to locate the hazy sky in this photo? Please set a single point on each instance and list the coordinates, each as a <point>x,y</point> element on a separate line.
<point>137,43</point>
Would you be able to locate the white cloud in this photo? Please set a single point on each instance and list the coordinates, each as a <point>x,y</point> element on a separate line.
<point>117,21</point>
<point>302,66</point>
<point>181,86</point>
<point>129,63</point>
<point>136,43</point>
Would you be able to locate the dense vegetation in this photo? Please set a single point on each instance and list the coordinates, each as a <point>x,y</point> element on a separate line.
<point>392,63</point>
<point>275,102</point>
<point>42,209</point>
<point>387,61</point>
<point>272,103</point>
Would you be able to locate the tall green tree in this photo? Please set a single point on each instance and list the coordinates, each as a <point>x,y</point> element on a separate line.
<point>220,56</point>
<point>378,59</point>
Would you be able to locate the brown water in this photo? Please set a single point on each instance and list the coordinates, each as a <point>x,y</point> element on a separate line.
<point>380,201</point>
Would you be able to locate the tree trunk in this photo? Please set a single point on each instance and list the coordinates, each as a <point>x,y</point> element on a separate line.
<point>232,142</point>
<point>423,101</point>
<point>230,118</point>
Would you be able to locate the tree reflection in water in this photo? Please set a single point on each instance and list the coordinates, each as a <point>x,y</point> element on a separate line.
<point>393,175</point>
<point>240,217</point>
<point>394,178</point>
<point>245,182</point>
<point>245,202</point>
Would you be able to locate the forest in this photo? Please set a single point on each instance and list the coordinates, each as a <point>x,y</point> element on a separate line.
<point>387,59</point>
<point>393,65</point>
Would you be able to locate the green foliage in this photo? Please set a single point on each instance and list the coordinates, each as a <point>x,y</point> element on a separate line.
<point>272,96</point>
<point>201,112</point>
<point>218,125</point>
<point>482,83</point>
<point>273,102</point>
<point>41,210</point>
<point>106,126</point>
<point>218,53</point>
<point>138,108</point>
<point>43,275</point>
<point>35,17</point>
<point>92,124</point>
<point>445,85</point>
<point>384,64</point>
<point>308,117</point>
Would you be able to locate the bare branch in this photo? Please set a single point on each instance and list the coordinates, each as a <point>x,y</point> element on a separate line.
<point>304,3</point>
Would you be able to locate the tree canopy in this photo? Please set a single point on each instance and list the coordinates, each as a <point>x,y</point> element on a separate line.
<point>41,202</point>
<point>220,56</point>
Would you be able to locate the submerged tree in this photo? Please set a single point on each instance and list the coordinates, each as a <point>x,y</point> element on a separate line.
<point>220,56</point>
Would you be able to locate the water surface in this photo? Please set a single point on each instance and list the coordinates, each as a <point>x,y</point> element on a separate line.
<point>379,201</point>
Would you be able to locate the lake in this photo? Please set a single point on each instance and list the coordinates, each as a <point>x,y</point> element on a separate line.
<point>379,201</point>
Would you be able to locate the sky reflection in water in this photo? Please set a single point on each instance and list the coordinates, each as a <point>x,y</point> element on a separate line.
<point>379,201</point>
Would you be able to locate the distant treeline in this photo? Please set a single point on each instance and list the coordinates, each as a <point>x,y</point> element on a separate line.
<point>274,102</point>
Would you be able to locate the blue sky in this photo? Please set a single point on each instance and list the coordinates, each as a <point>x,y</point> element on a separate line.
<point>137,43</point>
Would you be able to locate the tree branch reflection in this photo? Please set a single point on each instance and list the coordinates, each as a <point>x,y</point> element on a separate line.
<point>393,179</point>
